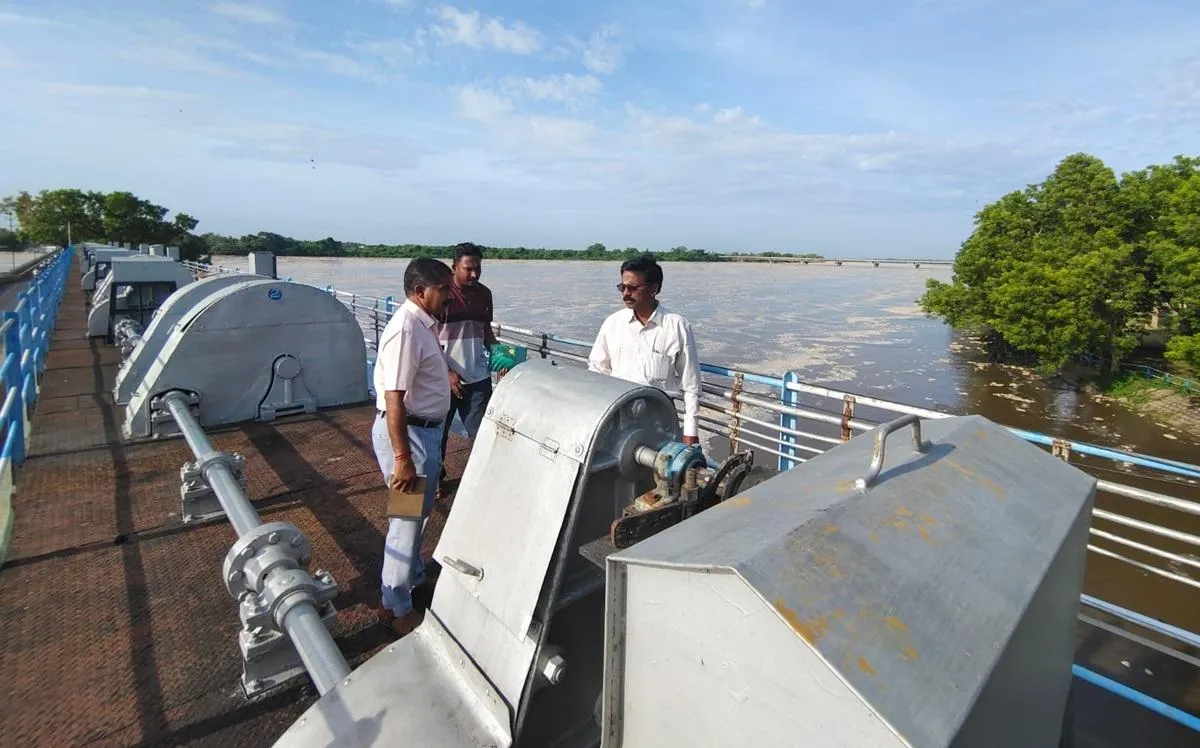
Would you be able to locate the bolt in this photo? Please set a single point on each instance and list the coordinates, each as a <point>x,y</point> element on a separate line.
<point>554,669</point>
<point>489,411</point>
<point>578,449</point>
<point>248,552</point>
<point>297,541</point>
<point>235,576</point>
<point>273,538</point>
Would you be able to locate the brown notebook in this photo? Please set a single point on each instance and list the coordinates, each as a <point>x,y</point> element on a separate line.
<point>406,504</point>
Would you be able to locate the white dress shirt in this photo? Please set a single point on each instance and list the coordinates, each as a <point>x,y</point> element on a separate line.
<point>660,353</point>
<point>411,359</point>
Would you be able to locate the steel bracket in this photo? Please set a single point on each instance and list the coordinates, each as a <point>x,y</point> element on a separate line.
<point>198,500</point>
<point>162,423</point>
<point>268,657</point>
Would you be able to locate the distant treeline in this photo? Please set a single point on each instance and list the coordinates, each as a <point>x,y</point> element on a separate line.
<point>284,246</point>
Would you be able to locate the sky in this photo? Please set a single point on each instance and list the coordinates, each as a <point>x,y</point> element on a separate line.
<point>856,128</point>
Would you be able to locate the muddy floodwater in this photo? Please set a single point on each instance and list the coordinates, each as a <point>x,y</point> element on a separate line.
<point>857,329</point>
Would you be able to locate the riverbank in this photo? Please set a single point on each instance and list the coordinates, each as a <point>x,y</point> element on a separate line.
<point>1165,403</point>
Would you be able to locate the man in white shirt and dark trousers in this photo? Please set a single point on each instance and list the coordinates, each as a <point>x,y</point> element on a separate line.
<point>648,344</point>
<point>412,397</point>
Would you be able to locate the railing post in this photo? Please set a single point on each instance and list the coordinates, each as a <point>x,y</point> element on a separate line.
<point>734,421</point>
<point>1061,448</point>
<point>789,398</point>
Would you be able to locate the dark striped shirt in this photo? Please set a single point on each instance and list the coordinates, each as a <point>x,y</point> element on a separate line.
<point>465,319</point>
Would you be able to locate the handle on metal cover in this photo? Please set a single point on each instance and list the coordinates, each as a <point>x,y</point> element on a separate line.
<point>881,435</point>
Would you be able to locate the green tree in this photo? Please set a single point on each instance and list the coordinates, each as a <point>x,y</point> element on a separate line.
<point>130,219</point>
<point>54,214</point>
<point>1050,272</point>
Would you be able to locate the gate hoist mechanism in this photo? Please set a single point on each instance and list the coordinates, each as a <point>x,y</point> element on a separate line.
<point>253,349</point>
<point>99,260</point>
<point>141,348</point>
<point>131,292</point>
<point>890,592</point>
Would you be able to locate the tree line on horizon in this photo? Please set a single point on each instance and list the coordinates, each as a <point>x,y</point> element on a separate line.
<point>123,217</point>
<point>284,246</point>
<point>1079,264</point>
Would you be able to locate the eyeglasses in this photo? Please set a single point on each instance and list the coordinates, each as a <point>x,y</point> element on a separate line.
<point>623,287</point>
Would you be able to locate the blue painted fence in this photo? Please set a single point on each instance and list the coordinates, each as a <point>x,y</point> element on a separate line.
<point>26,331</point>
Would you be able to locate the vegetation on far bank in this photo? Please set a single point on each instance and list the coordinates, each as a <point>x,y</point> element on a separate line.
<point>124,217</point>
<point>1079,264</point>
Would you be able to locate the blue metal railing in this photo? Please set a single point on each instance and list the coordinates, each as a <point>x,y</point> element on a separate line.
<point>26,332</point>
<point>788,388</point>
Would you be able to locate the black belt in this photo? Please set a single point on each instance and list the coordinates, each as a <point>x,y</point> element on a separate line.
<point>421,423</point>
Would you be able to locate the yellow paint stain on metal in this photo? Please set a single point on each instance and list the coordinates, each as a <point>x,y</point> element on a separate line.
<point>925,535</point>
<point>830,530</point>
<point>928,520</point>
<point>908,653</point>
<point>895,623</point>
<point>839,614</point>
<point>899,524</point>
<point>798,625</point>
<point>903,511</point>
<point>738,501</point>
<point>844,486</point>
<point>827,562</point>
<point>987,483</point>
<point>865,666</point>
<point>874,536</point>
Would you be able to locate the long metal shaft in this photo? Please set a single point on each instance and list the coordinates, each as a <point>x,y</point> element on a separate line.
<point>313,642</point>
<point>324,662</point>
<point>216,473</point>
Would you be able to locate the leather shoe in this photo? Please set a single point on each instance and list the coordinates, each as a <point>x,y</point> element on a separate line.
<point>400,625</point>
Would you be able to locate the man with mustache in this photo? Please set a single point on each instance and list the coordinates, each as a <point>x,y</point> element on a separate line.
<point>412,391</point>
<point>648,344</point>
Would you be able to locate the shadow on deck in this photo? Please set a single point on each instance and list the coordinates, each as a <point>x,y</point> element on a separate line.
<point>115,627</point>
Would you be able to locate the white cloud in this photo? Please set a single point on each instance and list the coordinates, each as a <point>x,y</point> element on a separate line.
<point>473,30</point>
<point>566,88</point>
<point>481,105</point>
<point>143,93</point>
<point>337,64</point>
<point>8,18</point>
<point>604,53</point>
<point>734,116</point>
<point>393,51</point>
<point>248,13</point>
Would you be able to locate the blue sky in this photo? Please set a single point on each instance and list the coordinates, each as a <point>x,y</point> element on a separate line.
<point>856,128</point>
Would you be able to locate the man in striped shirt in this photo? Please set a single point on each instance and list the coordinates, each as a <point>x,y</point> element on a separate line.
<point>466,334</point>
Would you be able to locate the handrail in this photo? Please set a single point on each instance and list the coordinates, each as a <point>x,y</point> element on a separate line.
<point>752,392</point>
<point>25,335</point>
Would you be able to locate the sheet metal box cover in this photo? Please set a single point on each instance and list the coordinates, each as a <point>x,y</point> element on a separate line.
<point>938,608</point>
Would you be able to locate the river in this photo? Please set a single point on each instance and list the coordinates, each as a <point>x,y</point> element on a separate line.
<point>853,328</point>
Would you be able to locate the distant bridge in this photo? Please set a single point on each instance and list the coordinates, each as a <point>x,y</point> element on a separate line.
<point>831,261</point>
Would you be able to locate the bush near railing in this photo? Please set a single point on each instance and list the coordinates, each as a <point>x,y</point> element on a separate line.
<point>25,332</point>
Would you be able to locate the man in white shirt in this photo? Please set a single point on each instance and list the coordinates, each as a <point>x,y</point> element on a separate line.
<point>412,397</point>
<point>647,344</point>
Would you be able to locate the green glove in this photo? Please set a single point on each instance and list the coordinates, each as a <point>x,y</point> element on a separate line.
<point>504,357</point>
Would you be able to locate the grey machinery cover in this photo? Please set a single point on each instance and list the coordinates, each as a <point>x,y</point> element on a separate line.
<point>938,608</point>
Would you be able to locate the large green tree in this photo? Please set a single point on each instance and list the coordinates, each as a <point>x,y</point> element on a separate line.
<point>54,216</point>
<point>1075,265</point>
